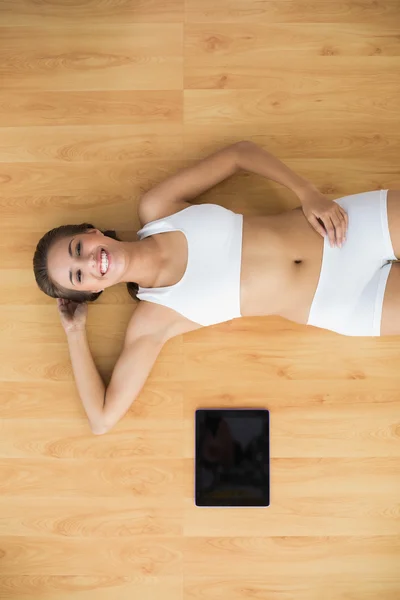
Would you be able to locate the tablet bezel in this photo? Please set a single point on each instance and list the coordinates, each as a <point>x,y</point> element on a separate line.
<point>263,502</point>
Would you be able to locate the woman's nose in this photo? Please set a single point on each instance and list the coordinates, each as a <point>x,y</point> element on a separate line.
<point>92,263</point>
<point>86,264</point>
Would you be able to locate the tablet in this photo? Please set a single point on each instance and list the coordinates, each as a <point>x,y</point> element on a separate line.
<point>232,457</point>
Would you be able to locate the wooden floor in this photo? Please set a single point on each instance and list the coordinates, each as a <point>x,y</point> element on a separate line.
<point>99,100</point>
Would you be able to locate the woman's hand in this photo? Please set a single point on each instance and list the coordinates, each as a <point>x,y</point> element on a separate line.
<point>317,206</point>
<point>73,314</point>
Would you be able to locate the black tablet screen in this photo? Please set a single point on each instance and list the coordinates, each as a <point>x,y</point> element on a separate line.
<point>232,457</point>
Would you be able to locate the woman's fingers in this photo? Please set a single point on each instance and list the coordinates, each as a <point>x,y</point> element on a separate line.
<point>330,229</point>
<point>316,224</point>
<point>346,221</point>
<point>328,218</point>
<point>336,227</point>
<point>341,226</point>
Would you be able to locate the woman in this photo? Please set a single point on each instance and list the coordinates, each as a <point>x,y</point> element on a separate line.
<point>326,264</point>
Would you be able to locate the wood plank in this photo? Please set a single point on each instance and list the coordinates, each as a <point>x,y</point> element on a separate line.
<point>100,100</point>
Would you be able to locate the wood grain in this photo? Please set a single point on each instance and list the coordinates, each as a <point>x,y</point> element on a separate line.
<point>99,101</point>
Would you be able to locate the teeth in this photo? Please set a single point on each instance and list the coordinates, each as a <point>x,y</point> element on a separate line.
<point>104,262</point>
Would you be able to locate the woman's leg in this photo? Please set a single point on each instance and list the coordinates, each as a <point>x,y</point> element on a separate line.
<point>393,210</point>
<point>390,323</point>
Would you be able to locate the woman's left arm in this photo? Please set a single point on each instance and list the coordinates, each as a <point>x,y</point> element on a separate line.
<point>315,205</point>
<point>255,159</point>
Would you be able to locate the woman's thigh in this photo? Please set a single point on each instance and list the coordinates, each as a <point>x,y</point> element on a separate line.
<point>393,210</point>
<point>390,323</point>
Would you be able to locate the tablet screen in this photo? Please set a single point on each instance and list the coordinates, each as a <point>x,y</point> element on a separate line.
<point>232,457</point>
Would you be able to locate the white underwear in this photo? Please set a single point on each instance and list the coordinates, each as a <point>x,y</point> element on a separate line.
<point>352,281</point>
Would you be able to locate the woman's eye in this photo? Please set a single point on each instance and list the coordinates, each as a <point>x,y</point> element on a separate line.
<point>78,249</point>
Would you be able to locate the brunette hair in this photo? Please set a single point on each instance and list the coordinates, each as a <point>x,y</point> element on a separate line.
<point>44,281</point>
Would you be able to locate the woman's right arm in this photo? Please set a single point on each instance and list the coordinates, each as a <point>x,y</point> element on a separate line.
<point>147,332</point>
<point>149,328</point>
<point>105,407</point>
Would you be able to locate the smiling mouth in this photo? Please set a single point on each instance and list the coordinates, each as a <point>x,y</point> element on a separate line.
<point>104,262</point>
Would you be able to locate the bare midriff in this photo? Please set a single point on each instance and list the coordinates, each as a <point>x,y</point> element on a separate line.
<point>281,264</point>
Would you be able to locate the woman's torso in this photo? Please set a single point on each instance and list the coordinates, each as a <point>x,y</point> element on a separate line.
<point>271,282</point>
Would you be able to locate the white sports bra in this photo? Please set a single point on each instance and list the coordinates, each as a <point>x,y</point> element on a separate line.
<point>209,291</point>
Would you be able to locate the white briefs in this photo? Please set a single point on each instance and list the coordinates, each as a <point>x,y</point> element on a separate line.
<point>352,281</point>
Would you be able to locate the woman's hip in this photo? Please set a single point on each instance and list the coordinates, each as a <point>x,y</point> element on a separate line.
<point>351,281</point>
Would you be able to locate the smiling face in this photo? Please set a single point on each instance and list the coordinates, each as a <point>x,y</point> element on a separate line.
<point>74,261</point>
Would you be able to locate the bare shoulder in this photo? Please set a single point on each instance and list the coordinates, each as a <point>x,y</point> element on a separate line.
<point>159,321</point>
<point>151,208</point>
